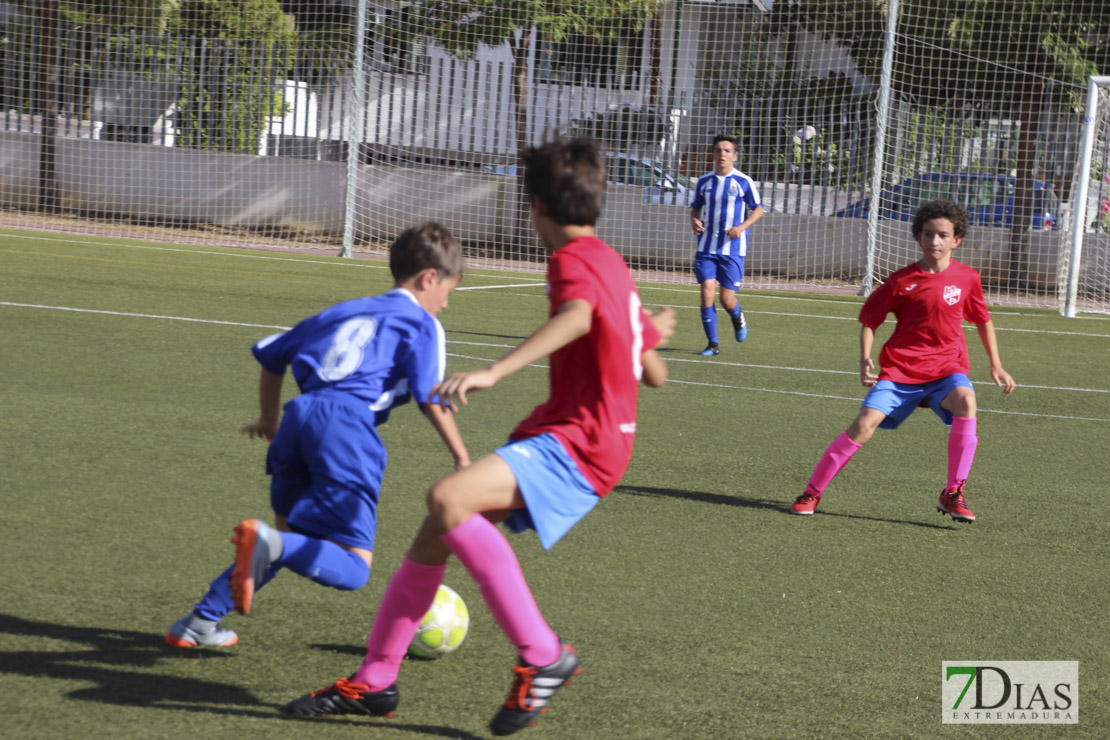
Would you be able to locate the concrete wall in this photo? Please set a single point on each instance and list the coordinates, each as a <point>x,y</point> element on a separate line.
<point>177,185</point>
<point>180,185</point>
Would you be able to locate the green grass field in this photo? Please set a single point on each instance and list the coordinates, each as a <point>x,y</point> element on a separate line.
<point>700,607</point>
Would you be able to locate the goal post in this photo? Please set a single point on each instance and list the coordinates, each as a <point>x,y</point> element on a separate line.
<point>1093,168</point>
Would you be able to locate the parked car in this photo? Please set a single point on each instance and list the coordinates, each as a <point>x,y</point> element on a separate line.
<point>627,127</point>
<point>660,186</point>
<point>988,198</point>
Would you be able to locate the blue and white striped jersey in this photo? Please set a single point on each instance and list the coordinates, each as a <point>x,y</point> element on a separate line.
<point>725,202</point>
<point>382,351</point>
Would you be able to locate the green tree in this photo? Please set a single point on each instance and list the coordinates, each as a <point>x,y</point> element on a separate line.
<point>325,38</point>
<point>461,26</point>
<point>792,126</point>
<point>239,50</point>
<point>144,15</point>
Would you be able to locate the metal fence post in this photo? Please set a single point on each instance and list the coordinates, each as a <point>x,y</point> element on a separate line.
<point>354,125</point>
<point>1079,197</point>
<point>877,162</point>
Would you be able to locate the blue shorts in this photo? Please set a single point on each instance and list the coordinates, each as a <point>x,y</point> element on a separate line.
<point>556,494</point>
<point>898,400</point>
<point>726,269</point>
<point>327,462</point>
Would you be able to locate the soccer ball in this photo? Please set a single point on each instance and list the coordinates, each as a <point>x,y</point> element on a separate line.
<point>443,627</point>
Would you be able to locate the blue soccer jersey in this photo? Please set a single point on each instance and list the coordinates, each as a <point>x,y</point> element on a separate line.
<point>726,201</point>
<point>383,351</point>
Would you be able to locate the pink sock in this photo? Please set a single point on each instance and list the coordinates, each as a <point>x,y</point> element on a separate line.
<point>962,442</point>
<point>490,559</point>
<point>407,599</point>
<point>832,462</point>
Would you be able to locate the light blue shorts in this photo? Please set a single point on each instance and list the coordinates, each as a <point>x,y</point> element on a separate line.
<point>727,270</point>
<point>898,400</point>
<point>556,494</point>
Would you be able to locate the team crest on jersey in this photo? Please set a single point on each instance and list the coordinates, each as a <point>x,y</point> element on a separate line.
<point>952,294</point>
<point>733,190</point>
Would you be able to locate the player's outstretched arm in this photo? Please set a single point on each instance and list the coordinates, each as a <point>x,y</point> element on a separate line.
<point>444,423</point>
<point>269,406</point>
<point>1000,377</point>
<point>573,320</point>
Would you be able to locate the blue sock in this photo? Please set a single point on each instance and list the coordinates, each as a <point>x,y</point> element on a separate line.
<point>323,561</point>
<point>217,603</point>
<point>735,311</point>
<point>709,323</point>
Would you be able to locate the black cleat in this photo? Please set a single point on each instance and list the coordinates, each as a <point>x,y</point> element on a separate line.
<point>532,690</point>
<point>346,697</point>
<point>740,326</point>
<point>711,349</point>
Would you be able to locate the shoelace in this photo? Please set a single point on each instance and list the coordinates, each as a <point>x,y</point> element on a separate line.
<point>520,693</point>
<point>805,498</point>
<point>345,688</point>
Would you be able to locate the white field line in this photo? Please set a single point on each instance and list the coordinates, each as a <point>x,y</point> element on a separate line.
<point>756,294</point>
<point>500,275</point>
<point>144,315</point>
<point>497,287</point>
<point>307,259</point>
<point>670,359</point>
<point>483,359</point>
<point>856,399</point>
<point>787,368</point>
<point>693,306</point>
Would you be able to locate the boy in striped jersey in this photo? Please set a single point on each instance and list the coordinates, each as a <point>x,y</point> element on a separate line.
<point>726,204</point>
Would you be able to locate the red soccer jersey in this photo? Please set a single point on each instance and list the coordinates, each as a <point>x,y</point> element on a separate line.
<point>595,379</point>
<point>928,341</point>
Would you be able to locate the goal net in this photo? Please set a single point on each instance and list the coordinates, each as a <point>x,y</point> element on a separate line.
<point>981,114</point>
<point>1085,263</point>
<point>335,124</point>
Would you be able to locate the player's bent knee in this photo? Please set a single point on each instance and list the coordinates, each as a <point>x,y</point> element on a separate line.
<point>355,576</point>
<point>863,428</point>
<point>961,402</point>
<point>446,504</point>
<point>344,574</point>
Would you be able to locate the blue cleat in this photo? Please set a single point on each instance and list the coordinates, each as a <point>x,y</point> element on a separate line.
<point>711,349</point>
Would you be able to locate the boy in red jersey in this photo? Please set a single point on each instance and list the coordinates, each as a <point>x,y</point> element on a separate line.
<point>925,361</point>
<point>560,461</point>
